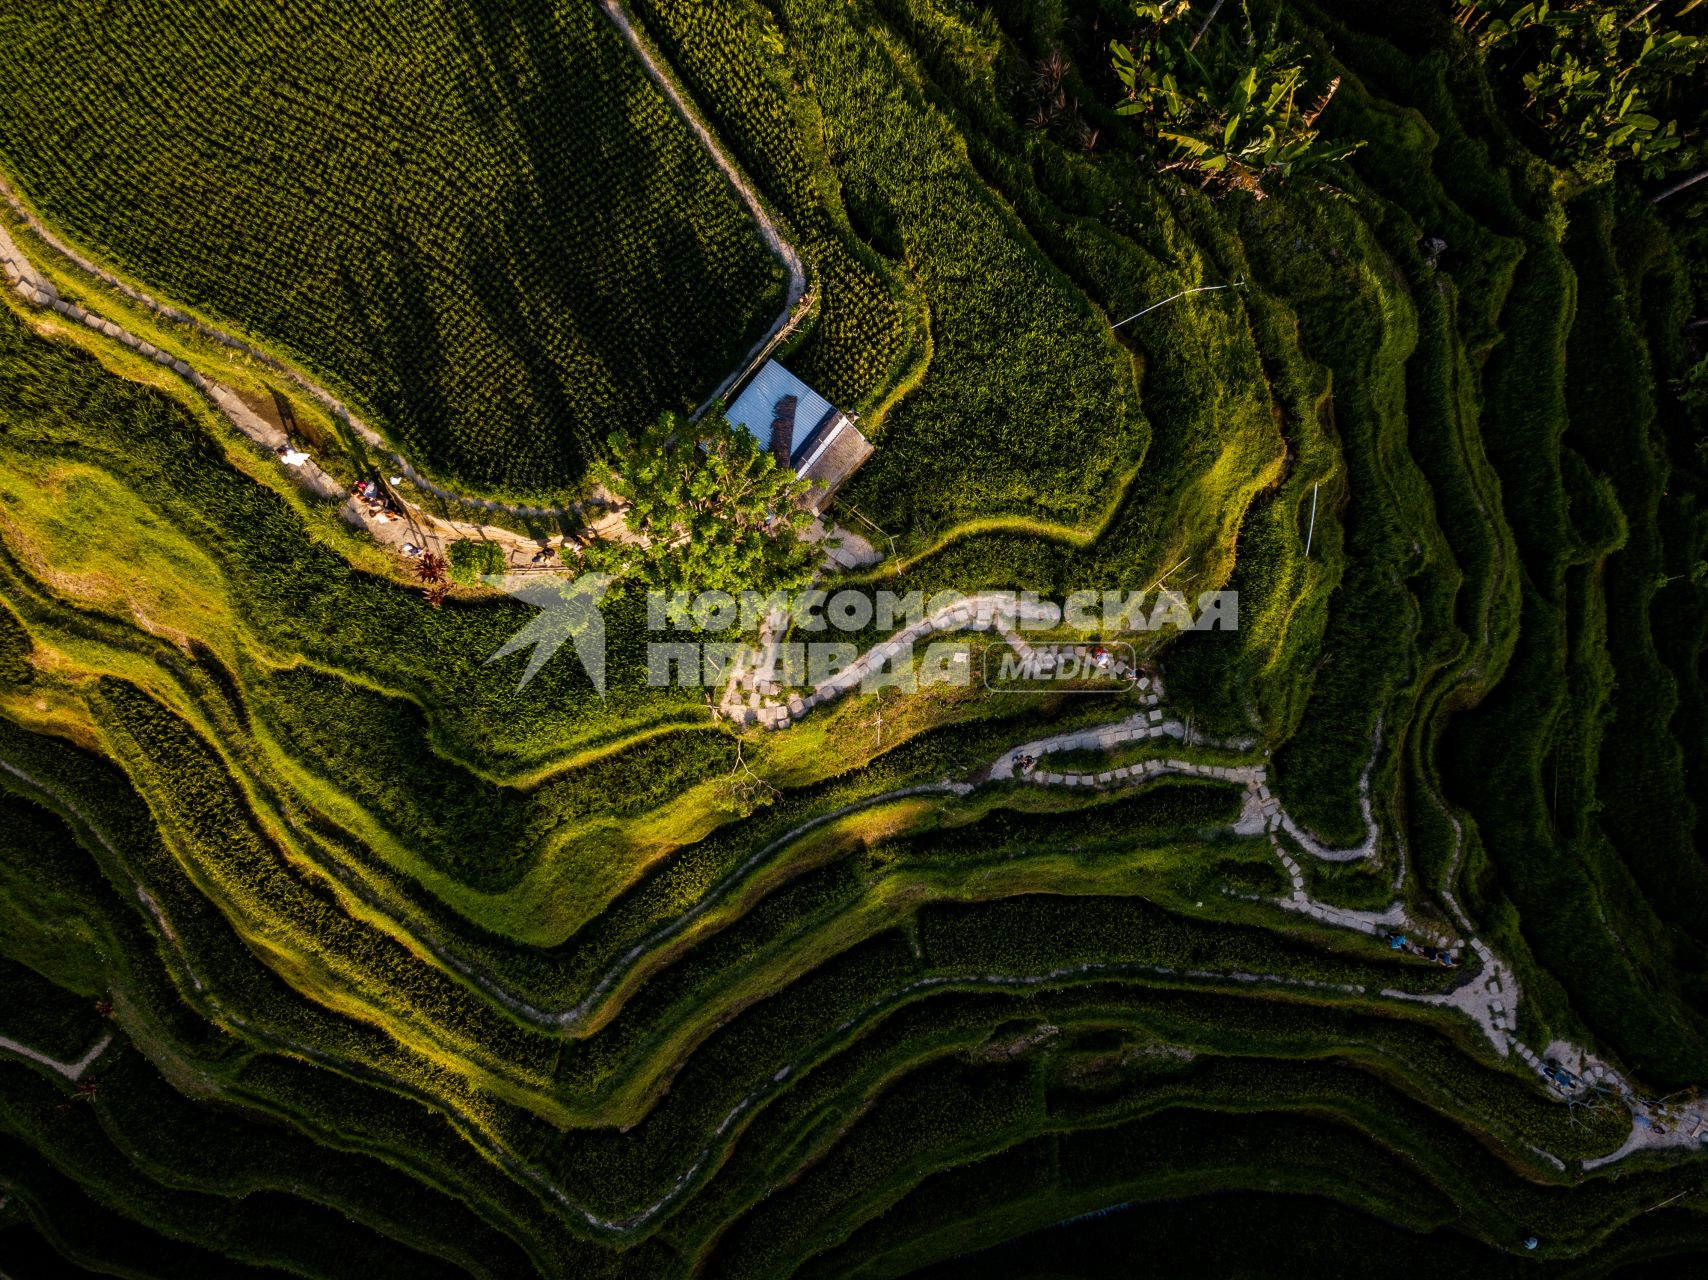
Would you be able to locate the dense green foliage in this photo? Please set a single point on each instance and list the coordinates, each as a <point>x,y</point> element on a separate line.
<point>392,968</point>
<point>469,560</point>
<point>865,329</point>
<point>1608,82</point>
<point>1231,113</point>
<point>704,509</point>
<point>485,227</point>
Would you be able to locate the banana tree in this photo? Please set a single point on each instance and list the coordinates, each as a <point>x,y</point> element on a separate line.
<point>1229,111</point>
<point>1601,78</point>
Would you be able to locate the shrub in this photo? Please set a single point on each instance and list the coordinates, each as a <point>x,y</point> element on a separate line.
<point>471,560</point>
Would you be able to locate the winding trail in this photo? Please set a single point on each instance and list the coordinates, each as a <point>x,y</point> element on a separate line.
<point>39,291</point>
<point>416,525</point>
<point>1372,837</point>
<point>430,532</point>
<point>1489,998</point>
<point>72,1071</point>
<point>1484,999</point>
<point>725,1132</point>
<point>780,248</point>
<point>1261,813</point>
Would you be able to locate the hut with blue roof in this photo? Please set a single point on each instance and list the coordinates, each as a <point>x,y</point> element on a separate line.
<point>803,430</point>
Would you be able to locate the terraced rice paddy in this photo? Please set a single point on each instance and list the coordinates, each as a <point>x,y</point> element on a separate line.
<point>328,951</point>
<point>486,228</point>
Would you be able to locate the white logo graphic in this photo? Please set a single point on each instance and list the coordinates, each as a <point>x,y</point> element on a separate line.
<point>570,612</point>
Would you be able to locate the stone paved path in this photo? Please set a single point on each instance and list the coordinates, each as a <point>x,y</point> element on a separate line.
<point>1490,998</point>
<point>754,695</point>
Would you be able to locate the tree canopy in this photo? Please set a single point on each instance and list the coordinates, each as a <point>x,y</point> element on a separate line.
<point>706,510</point>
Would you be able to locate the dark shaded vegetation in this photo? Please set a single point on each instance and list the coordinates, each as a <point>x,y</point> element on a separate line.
<point>435,171</point>
<point>409,974</point>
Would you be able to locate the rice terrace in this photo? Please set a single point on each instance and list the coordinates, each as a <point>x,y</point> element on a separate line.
<point>853,638</point>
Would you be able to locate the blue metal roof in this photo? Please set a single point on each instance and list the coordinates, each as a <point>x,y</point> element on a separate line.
<point>756,407</point>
